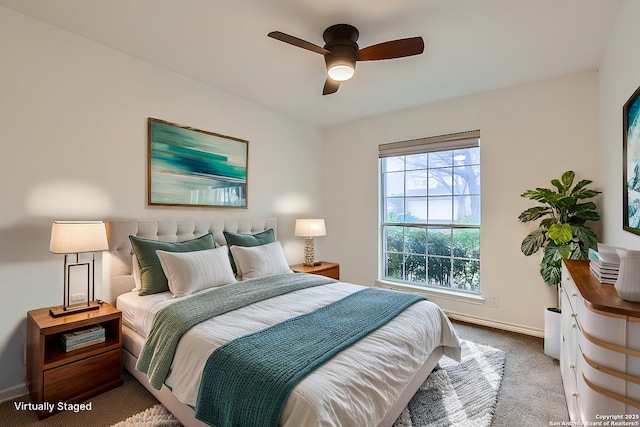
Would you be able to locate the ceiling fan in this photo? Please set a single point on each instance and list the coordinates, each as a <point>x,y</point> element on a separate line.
<point>341,51</point>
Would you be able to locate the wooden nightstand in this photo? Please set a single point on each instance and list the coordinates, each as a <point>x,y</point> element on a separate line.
<point>329,269</point>
<point>54,375</point>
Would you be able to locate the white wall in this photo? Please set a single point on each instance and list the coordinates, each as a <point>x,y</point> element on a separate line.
<point>619,77</point>
<point>73,115</point>
<point>529,135</point>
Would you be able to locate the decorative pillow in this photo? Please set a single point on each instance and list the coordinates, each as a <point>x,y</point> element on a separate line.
<point>247,240</point>
<point>152,278</point>
<point>189,272</point>
<point>259,261</point>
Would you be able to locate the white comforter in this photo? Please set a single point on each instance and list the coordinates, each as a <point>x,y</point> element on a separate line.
<point>362,383</point>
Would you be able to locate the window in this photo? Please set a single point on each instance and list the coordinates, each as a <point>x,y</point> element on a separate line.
<point>430,211</point>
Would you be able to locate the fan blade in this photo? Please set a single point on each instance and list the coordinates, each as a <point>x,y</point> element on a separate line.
<point>297,42</point>
<point>330,86</point>
<point>392,49</point>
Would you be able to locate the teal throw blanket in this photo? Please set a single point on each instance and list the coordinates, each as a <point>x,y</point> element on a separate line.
<point>247,381</point>
<point>173,321</point>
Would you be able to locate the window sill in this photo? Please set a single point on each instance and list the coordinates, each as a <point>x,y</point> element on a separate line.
<point>449,294</point>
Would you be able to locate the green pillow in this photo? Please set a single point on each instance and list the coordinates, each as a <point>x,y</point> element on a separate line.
<point>152,277</point>
<point>247,240</point>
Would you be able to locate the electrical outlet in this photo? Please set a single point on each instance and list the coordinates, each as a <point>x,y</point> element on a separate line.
<point>494,302</point>
<point>78,297</point>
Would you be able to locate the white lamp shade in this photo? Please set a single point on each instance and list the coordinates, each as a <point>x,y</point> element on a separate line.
<point>310,228</point>
<point>68,237</point>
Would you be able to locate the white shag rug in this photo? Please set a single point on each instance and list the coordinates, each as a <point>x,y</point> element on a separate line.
<point>456,394</point>
<point>156,416</point>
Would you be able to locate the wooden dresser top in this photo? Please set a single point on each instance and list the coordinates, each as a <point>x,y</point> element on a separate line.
<point>599,296</point>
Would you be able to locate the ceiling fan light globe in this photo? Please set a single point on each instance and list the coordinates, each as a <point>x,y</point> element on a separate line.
<point>341,72</point>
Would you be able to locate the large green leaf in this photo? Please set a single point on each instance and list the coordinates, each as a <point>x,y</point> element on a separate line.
<point>588,215</point>
<point>580,185</point>
<point>556,253</point>
<point>586,206</point>
<point>567,179</point>
<point>550,267</point>
<point>556,183</point>
<point>551,274</point>
<point>586,236</point>
<point>586,194</point>
<point>532,194</point>
<point>533,242</point>
<point>560,233</point>
<point>534,213</point>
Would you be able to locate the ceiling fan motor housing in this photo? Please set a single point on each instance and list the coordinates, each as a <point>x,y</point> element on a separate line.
<point>341,31</point>
<point>341,43</point>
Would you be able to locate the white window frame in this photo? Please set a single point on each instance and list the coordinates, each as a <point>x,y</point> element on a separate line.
<point>470,139</point>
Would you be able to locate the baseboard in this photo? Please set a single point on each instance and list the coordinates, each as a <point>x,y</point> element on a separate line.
<point>506,326</point>
<point>13,392</point>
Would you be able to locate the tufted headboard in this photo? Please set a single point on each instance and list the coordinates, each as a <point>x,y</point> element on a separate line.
<point>117,268</point>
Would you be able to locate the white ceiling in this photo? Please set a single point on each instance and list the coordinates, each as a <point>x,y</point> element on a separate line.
<point>470,45</point>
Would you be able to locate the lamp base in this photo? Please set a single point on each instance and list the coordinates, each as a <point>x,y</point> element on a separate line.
<point>309,252</point>
<point>61,310</point>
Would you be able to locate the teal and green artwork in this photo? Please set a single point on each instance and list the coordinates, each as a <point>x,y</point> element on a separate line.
<point>192,167</point>
<point>631,163</point>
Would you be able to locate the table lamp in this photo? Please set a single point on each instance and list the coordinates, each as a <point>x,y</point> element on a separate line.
<point>310,228</point>
<point>73,238</point>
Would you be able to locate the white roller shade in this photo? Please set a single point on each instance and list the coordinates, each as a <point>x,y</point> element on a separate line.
<point>452,141</point>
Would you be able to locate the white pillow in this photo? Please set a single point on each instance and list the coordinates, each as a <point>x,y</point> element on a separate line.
<point>189,272</point>
<point>259,261</point>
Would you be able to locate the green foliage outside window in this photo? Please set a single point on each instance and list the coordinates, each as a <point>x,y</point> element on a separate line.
<point>434,256</point>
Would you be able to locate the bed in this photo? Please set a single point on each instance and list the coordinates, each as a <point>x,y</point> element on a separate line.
<point>367,383</point>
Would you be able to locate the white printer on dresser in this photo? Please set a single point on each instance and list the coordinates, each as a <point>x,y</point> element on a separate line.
<point>600,350</point>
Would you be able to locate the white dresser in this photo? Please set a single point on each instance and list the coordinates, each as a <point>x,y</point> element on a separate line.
<point>600,351</point>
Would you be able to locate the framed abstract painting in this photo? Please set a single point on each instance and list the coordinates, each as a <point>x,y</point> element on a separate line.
<point>631,163</point>
<point>192,167</point>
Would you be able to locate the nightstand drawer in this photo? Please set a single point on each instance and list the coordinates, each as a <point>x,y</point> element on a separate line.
<point>333,272</point>
<point>77,379</point>
<point>327,269</point>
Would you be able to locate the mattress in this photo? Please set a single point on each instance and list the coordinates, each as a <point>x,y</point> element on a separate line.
<point>362,382</point>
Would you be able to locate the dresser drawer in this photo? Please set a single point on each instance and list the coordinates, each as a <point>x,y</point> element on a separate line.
<point>569,330</point>
<point>570,289</point>
<point>82,377</point>
<point>569,380</point>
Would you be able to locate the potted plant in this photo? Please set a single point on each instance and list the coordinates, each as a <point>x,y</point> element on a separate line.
<point>561,234</point>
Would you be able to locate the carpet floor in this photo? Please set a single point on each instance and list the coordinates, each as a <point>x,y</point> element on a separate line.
<point>531,392</point>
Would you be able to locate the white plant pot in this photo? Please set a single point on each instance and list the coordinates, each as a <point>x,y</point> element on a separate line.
<point>552,328</point>
<point>628,282</point>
